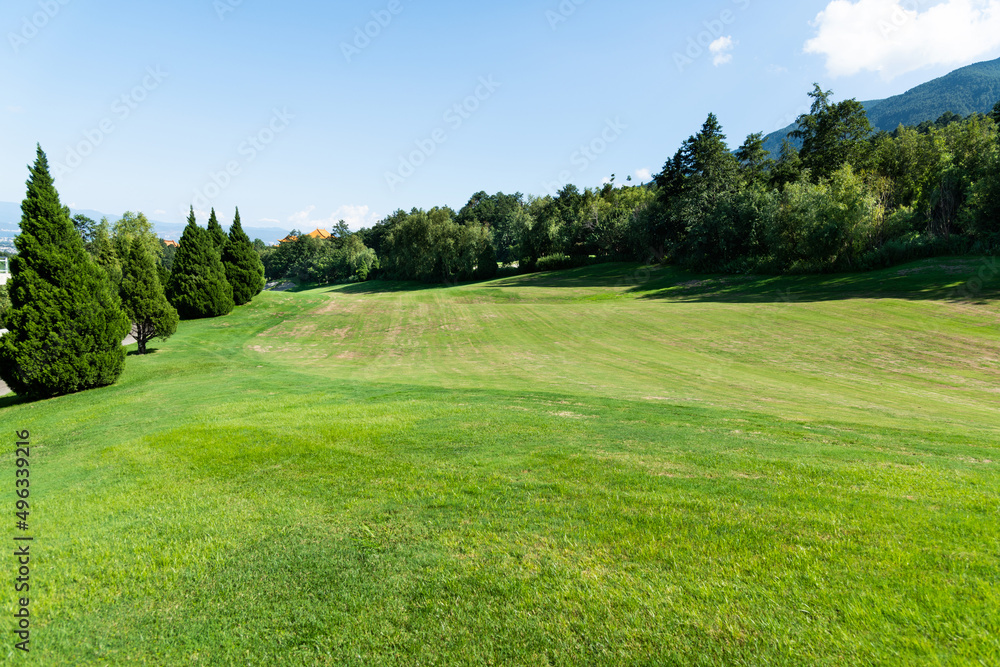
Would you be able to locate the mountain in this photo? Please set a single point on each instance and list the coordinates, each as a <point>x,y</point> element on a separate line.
<point>10,218</point>
<point>972,89</point>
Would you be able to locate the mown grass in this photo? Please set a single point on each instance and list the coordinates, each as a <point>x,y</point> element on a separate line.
<point>603,466</point>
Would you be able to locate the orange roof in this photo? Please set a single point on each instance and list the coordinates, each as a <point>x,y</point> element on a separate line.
<point>316,234</point>
<point>172,244</point>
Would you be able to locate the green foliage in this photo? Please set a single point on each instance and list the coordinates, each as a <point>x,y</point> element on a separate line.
<point>4,304</point>
<point>557,262</point>
<point>244,270</point>
<point>502,213</point>
<point>984,205</point>
<point>135,226</point>
<point>198,287</point>
<point>104,253</point>
<point>539,230</point>
<point>143,298</point>
<point>701,174</point>
<point>486,262</point>
<point>431,247</point>
<point>216,233</point>
<point>755,160</point>
<point>343,257</point>
<point>86,227</point>
<point>66,322</point>
<point>832,135</point>
<point>167,258</point>
<point>821,225</point>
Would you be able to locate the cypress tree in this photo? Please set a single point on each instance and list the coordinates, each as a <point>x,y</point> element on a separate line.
<point>217,233</point>
<point>244,270</point>
<point>66,321</point>
<point>143,299</point>
<point>198,287</point>
<point>104,254</point>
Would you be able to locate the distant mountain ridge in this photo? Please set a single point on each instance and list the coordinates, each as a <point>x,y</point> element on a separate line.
<point>10,218</point>
<point>971,89</point>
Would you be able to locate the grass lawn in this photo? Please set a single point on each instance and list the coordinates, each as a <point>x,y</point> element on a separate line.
<point>611,465</point>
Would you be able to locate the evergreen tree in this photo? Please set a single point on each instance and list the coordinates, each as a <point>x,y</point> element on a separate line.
<point>217,233</point>
<point>66,322</point>
<point>143,299</point>
<point>105,255</point>
<point>832,135</point>
<point>755,160</point>
<point>244,270</point>
<point>198,287</point>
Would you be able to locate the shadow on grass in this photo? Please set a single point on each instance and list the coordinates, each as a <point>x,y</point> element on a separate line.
<point>618,274</point>
<point>12,399</point>
<point>973,279</point>
<point>976,280</point>
<point>391,286</point>
<point>149,351</point>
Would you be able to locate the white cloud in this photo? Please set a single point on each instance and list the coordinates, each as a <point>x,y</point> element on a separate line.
<point>644,175</point>
<point>720,50</point>
<point>159,211</point>
<point>893,37</point>
<point>270,221</point>
<point>356,217</point>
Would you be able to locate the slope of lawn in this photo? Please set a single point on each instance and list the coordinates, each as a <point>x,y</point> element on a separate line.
<point>611,465</point>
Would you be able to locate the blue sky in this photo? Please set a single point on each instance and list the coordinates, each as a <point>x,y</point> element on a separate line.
<point>283,110</point>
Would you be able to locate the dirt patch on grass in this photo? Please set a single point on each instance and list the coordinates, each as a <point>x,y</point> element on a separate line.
<point>337,306</point>
<point>654,467</point>
<point>337,333</point>
<point>572,415</point>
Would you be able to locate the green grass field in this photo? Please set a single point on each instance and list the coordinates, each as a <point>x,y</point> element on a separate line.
<point>605,466</point>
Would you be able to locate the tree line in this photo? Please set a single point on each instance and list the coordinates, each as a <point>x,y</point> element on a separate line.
<point>79,287</point>
<point>838,197</point>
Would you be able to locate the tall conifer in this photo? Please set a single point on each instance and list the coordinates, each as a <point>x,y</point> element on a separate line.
<point>66,322</point>
<point>198,287</point>
<point>143,299</point>
<point>217,233</point>
<point>244,270</point>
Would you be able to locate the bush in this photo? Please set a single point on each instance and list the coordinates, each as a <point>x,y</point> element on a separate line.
<point>557,262</point>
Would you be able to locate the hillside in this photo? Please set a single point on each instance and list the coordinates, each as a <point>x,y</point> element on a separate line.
<point>972,89</point>
<point>546,469</point>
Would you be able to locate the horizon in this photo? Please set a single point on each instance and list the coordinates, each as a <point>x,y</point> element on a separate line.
<point>309,115</point>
